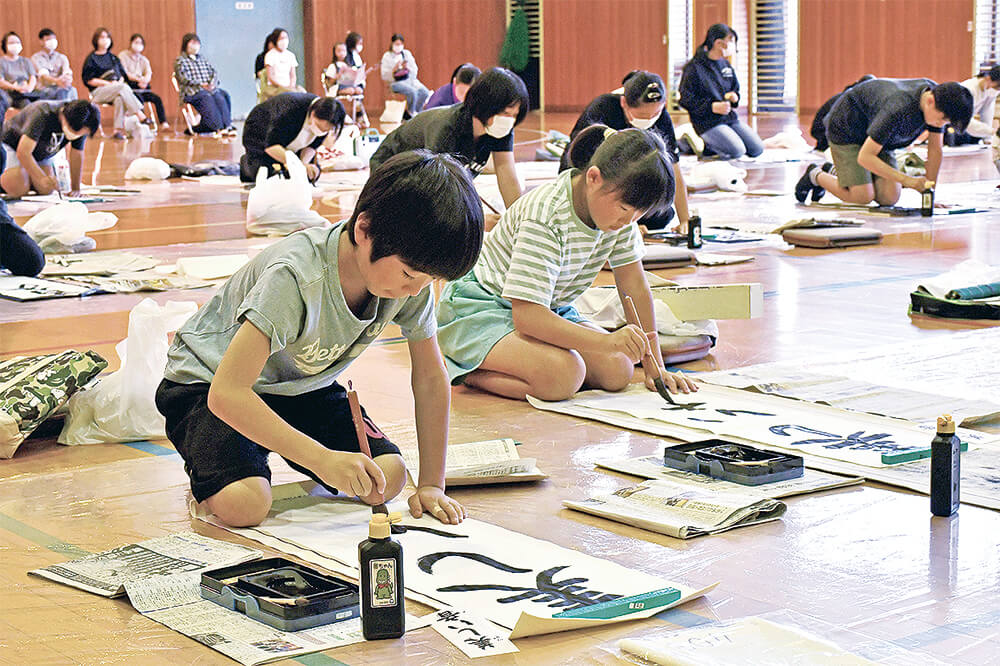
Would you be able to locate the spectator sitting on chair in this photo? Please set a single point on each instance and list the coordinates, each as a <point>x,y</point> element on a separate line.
<point>138,73</point>
<point>299,122</point>
<point>31,139</point>
<point>280,64</point>
<point>104,76</point>
<point>19,253</point>
<point>17,75</point>
<point>984,88</point>
<point>198,85</point>
<point>258,64</point>
<point>55,77</point>
<point>340,78</point>
<point>454,91</point>
<point>399,70</point>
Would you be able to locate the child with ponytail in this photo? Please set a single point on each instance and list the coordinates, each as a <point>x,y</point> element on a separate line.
<point>509,326</point>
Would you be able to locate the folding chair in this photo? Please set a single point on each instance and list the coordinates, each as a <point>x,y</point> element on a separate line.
<point>185,109</point>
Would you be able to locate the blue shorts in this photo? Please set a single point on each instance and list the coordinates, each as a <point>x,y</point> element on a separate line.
<point>472,320</point>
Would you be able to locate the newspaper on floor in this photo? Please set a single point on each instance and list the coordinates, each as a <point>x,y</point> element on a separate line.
<point>107,573</point>
<point>96,263</point>
<point>175,602</point>
<point>480,463</point>
<point>680,511</point>
<point>652,467</point>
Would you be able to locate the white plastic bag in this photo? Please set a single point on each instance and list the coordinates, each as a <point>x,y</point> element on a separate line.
<point>722,175</point>
<point>121,408</point>
<point>64,226</point>
<point>279,206</point>
<point>147,168</point>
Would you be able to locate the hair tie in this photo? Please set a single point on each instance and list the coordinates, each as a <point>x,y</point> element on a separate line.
<point>608,132</point>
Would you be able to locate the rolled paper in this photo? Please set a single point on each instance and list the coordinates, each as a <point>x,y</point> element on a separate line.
<point>972,293</point>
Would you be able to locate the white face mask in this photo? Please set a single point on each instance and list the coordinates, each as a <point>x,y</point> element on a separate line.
<point>51,44</point>
<point>500,127</point>
<point>729,51</point>
<point>361,47</point>
<point>14,49</point>
<point>282,44</point>
<point>643,123</point>
<point>194,48</point>
<point>397,49</point>
<point>317,131</point>
<point>103,43</point>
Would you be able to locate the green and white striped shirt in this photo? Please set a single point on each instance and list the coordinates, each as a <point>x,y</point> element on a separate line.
<point>541,252</point>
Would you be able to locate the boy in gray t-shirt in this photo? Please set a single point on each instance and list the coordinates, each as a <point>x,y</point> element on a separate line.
<point>255,369</point>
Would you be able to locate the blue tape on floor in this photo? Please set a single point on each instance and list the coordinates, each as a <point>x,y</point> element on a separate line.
<point>949,631</point>
<point>41,538</point>
<point>318,659</point>
<point>151,448</point>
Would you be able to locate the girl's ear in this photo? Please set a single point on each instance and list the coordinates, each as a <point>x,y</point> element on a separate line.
<point>594,177</point>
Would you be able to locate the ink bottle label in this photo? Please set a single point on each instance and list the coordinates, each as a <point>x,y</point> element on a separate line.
<point>383,587</point>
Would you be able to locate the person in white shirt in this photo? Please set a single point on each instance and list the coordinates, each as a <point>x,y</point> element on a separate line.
<point>55,76</point>
<point>399,70</point>
<point>984,88</point>
<point>281,64</point>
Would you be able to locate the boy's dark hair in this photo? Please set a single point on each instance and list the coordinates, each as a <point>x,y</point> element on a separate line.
<point>187,39</point>
<point>352,40</point>
<point>97,35</point>
<point>632,161</point>
<point>45,32</point>
<point>81,114</point>
<point>955,102</point>
<point>396,36</point>
<point>422,207</point>
<point>993,73</point>
<point>135,37</point>
<point>717,31</point>
<point>643,87</point>
<point>330,110</point>
<point>3,44</point>
<point>495,90</point>
<point>466,73</point>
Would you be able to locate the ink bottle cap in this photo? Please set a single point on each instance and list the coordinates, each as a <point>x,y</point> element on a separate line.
<point>946,425</point>
<point>378,527</point>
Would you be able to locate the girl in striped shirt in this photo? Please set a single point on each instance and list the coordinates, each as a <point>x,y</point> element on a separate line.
<point>509,326</point>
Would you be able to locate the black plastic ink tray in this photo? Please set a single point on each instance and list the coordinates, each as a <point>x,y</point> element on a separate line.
<point>729,461</point>
<point>281,593</point>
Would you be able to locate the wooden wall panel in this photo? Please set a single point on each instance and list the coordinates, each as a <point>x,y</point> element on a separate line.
<point>840,41</point>
<point>442,34</point>
<point>709,12</point>
<point>589,45</point>
<point>161,22</point>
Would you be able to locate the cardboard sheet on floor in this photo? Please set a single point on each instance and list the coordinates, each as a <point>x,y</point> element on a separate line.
<point>824,238</point>
<point>860,435</point>
<point>514,580</point>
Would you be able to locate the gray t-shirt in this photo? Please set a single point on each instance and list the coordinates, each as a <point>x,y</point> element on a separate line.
<point>18,70</point>
<point>291,292</point>
<point>887,110</point>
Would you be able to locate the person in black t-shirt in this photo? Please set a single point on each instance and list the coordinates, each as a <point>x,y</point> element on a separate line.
<point>641,105</point>
<point>872,120</point>
<point>31,138</point>
<point>481,126</point>
<point>710,92</point>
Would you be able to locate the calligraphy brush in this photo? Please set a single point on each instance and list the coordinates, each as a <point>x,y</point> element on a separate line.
<point>649,364</point>
<point>359,429</point>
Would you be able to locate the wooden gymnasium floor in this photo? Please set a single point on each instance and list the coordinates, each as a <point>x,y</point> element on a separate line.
<point>869,559</point>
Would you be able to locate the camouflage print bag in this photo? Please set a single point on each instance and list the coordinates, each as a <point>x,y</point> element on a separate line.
<point>32,387</point>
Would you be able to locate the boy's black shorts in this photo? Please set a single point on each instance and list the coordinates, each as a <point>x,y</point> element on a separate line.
<point>215,455</point>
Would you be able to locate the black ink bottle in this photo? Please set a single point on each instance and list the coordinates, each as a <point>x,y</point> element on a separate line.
<point>927,202</point>
<point>946,450</point>
<point>694,230</point>
<point>381,563</point>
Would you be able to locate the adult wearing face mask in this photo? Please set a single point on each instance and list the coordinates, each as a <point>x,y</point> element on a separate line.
<point>31,138</point>
<point>710,92</point>
<point>55,77</point>
<point>641,105</point>
<point>198,85</point>
<point>17,74</point>
<point>138,74</point>
<point>280,64</point>
<point>399,70</point>
<point>296,122</point>
<point>481,126</point>
<point>104,76</point>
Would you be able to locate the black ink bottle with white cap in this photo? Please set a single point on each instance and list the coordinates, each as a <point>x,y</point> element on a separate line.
<point>946,470</point>
<point>381,563</point>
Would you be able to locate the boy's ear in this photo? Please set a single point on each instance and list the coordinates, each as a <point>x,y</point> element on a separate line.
<point>594,177</point>
<point>362,227</point>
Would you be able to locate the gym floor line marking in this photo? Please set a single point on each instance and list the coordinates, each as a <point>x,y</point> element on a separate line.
<point>39,537</point>
<point>150,448</point>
